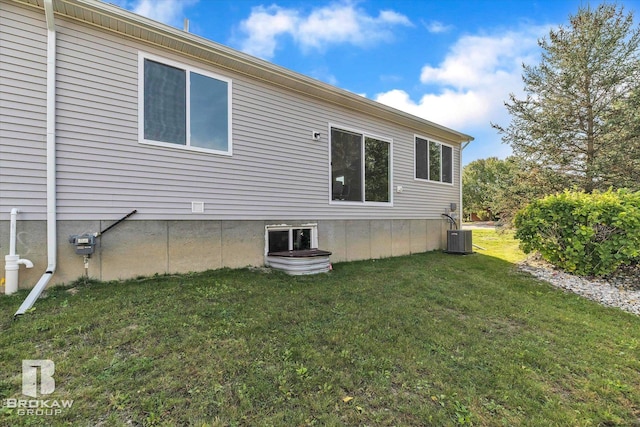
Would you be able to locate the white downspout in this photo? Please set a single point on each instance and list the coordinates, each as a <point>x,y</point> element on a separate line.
<point>461,210</point>
<point>13,261</point>
<point>51,163</point>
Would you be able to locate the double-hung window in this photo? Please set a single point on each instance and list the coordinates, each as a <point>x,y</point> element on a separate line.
<point>434,161</point>
<point>360,167</point>
<point>184,107</point>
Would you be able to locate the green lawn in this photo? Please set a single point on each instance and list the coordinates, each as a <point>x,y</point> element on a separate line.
<point>499,244</point>
<point>428,339</point>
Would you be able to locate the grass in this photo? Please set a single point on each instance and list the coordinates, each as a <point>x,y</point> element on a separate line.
<point>427,339</point>
<point>499,244</point>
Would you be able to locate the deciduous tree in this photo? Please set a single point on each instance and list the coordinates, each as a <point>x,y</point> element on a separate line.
<point>481,181</point>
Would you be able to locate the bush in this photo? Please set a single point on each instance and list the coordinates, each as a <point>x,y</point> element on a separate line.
<point>585,234</point>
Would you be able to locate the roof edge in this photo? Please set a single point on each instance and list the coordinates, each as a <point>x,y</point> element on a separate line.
<point>99,14</point>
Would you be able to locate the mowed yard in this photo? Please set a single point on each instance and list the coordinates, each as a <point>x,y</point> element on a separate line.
<point>427,339</point>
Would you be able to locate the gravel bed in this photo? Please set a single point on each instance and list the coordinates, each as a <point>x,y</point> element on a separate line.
<point>621,289</point>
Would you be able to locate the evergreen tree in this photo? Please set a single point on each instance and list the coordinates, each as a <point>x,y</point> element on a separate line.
<point>579,121</point>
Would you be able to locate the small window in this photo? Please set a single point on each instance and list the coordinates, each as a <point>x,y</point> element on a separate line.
<point>182,107</point>
<point>278,240</point>
<point>434,161</point>
<point>301,239</point>
<point>281,238</point>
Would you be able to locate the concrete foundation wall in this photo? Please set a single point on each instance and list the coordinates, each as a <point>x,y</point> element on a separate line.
<point>142,248</point>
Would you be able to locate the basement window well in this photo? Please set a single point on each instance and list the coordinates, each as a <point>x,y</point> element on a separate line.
<point>294,249</point>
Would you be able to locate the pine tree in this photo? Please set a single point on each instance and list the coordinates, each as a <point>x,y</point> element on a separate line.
<point>579,120</point>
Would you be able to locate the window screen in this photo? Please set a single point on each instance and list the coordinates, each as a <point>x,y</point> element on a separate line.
<point>165,103</point>
<point>447,164</point>
<point>421,158</point>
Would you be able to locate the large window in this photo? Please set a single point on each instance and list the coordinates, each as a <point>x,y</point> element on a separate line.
<point>434,161</point>
<point>182,107</point>
<point>360,167</point>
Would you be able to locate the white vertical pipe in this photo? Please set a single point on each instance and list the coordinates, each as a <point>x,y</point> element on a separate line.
<point>11,265</point>
<point>13,261</point>
<point>13,231</point>
<point>51,163</point>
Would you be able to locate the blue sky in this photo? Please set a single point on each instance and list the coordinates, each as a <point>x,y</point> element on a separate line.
<point>453,62</point>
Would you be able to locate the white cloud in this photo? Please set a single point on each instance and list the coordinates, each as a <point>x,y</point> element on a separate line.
<point>473,80</point>
<point>449,108</point>
<point>170,12</point>
<point>264,26</point>
<point>334,24</point>
<point>437,27</point>
<point>477,60</point>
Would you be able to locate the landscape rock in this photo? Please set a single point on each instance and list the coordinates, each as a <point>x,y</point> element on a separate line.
<point>621,289</point>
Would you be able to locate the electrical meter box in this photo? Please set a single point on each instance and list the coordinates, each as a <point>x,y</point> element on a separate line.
<point>85,243</point>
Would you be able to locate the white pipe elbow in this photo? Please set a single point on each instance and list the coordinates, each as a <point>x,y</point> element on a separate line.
<point>25,262</point>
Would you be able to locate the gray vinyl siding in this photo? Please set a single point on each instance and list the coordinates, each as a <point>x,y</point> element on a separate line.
<point>276,171</point>
<point>23,50</point>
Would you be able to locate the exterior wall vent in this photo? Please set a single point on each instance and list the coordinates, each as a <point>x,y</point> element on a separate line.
<point>197,207</point>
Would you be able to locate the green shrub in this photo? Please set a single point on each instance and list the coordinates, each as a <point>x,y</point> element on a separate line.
<point>586,234</point>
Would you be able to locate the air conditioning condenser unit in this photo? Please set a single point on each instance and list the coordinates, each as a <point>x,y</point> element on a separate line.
<point>459,242</point>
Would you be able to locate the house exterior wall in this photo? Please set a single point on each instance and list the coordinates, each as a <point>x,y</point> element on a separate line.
<point>23,49</point>
<point>276,172</point>
<point>142,248</point>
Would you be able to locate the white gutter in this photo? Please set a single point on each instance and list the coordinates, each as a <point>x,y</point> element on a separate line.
<point>51,163</point>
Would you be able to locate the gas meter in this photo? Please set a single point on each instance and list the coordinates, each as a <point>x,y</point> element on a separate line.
<point>85,243</point>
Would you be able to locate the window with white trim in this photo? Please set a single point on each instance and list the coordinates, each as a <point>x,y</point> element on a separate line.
<point>434,161</point>
<point>282,238</point>
<point>360,167</point>
<point>184,107</point>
